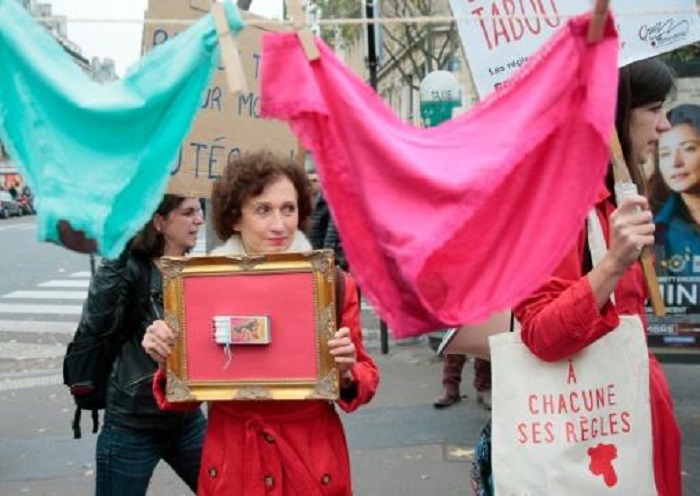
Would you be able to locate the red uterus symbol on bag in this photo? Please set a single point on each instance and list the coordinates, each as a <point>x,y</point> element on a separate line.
<point>602,457</point>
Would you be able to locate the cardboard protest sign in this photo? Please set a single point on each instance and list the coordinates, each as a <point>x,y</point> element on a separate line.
<point>578,427</point>
<point>226,124</point>
<point>499,35</point>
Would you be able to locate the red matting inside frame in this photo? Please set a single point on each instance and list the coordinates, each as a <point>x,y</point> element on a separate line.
<point>286,298</point>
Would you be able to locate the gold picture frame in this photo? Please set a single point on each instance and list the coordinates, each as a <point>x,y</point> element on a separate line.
<point>295,292</point>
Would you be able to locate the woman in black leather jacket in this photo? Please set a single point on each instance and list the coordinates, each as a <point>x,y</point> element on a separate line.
<point>125,296</point>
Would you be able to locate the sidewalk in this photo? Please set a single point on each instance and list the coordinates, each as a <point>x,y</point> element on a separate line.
<point>400,444</point>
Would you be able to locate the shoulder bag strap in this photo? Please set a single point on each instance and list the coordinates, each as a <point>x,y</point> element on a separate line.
<point>596,241</point>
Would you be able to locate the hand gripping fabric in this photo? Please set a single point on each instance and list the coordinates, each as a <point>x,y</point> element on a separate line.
<point>99,156</point>
<point>444,226</point>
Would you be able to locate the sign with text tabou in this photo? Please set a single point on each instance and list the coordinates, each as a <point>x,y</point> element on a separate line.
<point>498,36</point>
<point>226,125</point>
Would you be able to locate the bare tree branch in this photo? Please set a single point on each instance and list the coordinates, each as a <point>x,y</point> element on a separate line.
<point>410,48</point>
<point>449,45</point>
<point>404,51</point>
<point>405,75</point>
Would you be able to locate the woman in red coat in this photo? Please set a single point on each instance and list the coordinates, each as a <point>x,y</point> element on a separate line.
<point>574,308</point>
<point>286,448</point>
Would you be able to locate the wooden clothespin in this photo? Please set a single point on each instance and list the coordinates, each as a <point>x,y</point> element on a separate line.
<point>599,16</point>
<point>228,48</point>
<point>306,38</point>
<point>622,175</point>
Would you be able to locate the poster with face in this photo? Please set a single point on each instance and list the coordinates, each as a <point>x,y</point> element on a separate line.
<point>674,194</point>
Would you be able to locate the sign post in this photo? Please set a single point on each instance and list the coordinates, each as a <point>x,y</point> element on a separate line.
<point>440,94</point>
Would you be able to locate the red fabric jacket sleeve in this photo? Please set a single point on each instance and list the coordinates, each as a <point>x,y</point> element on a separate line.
<point>161,399</point>
<point>561,318</point>
<point>365,370</point>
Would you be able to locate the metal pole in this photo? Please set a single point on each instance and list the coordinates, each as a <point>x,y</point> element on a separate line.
<point>372,67</point>
<point>371,45</point>
<point>384,337</point>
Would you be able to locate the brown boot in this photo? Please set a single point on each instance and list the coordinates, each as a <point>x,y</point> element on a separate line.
<point>449,397</point>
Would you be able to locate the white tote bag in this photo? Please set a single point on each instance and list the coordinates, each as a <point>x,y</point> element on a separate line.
<point>579,427</point>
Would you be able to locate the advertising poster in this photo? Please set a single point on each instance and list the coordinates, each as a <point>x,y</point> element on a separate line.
<point>674,195</point>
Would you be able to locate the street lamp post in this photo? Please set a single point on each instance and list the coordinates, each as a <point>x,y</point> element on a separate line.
<point>440,94</point>
<point>372,67</point>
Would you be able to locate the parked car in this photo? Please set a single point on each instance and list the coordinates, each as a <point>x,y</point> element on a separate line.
<point>26,204</point>
<point>8,206</point>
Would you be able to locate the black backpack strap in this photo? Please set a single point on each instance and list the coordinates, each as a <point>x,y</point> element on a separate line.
<point>144,292</point>
<point>77,432</point>
<point>76,424</point>
<point>95,421</point>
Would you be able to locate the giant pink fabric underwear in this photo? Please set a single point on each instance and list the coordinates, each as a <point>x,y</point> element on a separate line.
<point>444,226</point>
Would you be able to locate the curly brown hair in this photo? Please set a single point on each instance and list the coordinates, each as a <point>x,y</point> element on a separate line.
<point>246,176</point>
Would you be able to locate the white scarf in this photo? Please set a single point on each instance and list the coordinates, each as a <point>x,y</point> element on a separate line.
<point>234,245</point>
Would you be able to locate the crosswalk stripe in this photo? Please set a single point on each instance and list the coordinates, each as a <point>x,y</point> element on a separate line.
<point>24,225</point>
<point>47,295</point>
<point>64,283</point>
<point>12,384</point>
<point>85,273</point>
<point>26,351</point>
<point>37,326</point>
<point>41,309</point>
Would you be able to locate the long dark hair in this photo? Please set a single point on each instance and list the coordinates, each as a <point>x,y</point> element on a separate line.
<point>149,243</point>
<point>641,83</point>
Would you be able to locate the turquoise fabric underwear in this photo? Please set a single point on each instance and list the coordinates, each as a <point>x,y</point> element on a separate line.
<point>99,156</point>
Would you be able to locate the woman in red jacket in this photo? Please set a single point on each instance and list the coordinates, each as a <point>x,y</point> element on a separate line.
<point>574,308</point>
<point>283,447</point>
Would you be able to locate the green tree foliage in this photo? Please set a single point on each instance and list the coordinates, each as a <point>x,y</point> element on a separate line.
<point>689,53</point>
<point>685,61</point>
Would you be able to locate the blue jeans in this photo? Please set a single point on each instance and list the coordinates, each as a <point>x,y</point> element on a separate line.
<point>481,474</point>
<point>126,458</point>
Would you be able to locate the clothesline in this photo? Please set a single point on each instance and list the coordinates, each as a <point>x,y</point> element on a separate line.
<point>354,21</point>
